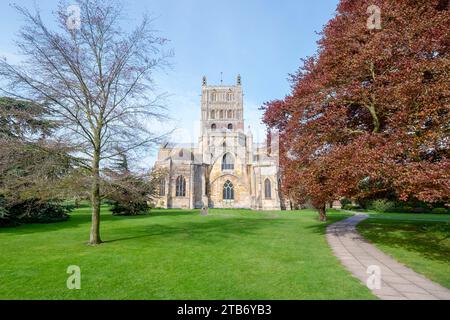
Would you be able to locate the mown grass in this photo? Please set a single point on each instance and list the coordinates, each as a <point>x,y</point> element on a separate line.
<point>174,254</point>
<point>420,241</point>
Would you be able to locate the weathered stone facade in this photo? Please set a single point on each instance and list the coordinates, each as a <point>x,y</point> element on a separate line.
<point>226,169</point>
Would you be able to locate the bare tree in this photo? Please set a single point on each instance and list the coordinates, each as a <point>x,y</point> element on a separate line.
<point>96,77</point>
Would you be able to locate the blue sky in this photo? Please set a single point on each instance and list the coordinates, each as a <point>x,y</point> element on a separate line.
<point>263,40</point>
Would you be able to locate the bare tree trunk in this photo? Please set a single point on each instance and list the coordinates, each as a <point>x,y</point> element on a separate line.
<point>322,213</point>
<point>97,82</point>
<point>95,196</point>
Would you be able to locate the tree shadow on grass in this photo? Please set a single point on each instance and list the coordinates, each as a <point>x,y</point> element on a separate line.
<point>428,239</point>
<point>31,228</point>
<point>321,227</point>
<point>172,213</point>
<point>82,216</point>
<point>211,230</point>
<point>204,230</point>
<point>431,240</point>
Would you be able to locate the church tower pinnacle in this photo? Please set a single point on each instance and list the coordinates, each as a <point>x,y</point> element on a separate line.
<point>222,107</point>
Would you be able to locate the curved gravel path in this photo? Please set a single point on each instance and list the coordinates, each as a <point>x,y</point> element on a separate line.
<point>366,262</point>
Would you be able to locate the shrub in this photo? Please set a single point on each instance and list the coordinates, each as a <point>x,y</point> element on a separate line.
<point>129,194</point>
<point>129,208</point>
<point>351,207</point>
<point>345,202</point>
<point>32,211</point>
<point>382,205</point>
<point>409,209</point>
<point>439,211</point>
<point>404,209</point>
<point>419,210</point>
<point>3,212</point>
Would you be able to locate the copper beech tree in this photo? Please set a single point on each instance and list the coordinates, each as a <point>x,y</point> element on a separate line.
<point>95,74</point>
<point>368,115</point>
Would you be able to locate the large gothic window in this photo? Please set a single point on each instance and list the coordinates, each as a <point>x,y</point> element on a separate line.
<point>162,187</point>
<point>268,189</point>
<point>181,187</point>
<point>230,127</point>
<point>228,162</point>
<point>214,127</point>
<point>228,191</point>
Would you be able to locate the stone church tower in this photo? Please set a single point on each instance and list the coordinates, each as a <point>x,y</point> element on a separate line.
<point>226,169</point>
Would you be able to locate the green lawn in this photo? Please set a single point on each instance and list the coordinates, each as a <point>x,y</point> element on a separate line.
<point>420,241</point>
<point>234,254</point>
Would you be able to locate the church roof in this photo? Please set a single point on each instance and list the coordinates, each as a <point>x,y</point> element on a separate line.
<point>174,145</point>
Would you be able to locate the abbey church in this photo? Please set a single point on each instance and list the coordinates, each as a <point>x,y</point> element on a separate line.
<point>226,169</point>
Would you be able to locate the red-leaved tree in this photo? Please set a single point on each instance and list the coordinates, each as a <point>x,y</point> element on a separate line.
<point>368,114</point>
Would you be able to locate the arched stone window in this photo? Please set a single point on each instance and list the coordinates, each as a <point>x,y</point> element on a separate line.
<point>162,187</point>
<point>230,127</point>
<point>213,114</point>
<point>227,162</point>
<point>229,96</point>
<point>221,114</point>
<point>213,127</point>
<point>230,114</point>
<point>181,153</point>
<point>213,97</point>
<point>181,187</point>
<point>228,191</point>
<point>268,189</point>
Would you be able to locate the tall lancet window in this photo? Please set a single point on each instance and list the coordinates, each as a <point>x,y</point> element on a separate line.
<point>268,189</point>
<point>162,187</point>
<point>228,191</point>
<point>181,187</point>
<point>227,162</point>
